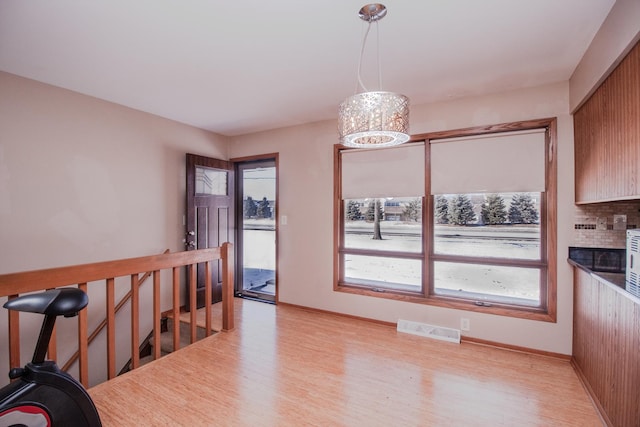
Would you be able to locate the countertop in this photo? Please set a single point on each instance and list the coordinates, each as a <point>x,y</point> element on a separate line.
<point>590,260</point>
<point>616,279</point>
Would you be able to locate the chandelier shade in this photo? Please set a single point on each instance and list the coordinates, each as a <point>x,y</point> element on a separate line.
<point>373,118</point>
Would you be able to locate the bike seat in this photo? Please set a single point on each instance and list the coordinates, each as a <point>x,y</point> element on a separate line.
<point>57,302</point>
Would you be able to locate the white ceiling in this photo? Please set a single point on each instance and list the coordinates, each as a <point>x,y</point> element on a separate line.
<point>241,66</point>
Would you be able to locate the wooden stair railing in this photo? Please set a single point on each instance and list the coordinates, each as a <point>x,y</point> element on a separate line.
<point>14,284</point>
<point>74,357</point>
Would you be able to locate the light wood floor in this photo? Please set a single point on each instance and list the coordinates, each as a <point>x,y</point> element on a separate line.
<point>285,366</point>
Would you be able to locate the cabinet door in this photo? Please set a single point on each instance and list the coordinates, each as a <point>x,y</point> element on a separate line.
<point>607,137</point>
<point>588,153</point>
<point>606,339</point>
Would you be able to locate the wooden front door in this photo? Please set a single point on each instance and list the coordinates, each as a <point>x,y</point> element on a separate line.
<point>209,221</point>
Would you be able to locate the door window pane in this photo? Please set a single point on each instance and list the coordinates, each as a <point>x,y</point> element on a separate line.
<point>211,181</point>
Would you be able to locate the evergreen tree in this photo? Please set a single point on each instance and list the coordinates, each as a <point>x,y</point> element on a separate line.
<point>523,210</point>
<point>461,210</point>
<point>250,208</point>
<point>263,210</point>
<point>374,213</point>
<point>442,210</point>
<point>494,210</point>
<point>353,211</point>
<point>413,210</point>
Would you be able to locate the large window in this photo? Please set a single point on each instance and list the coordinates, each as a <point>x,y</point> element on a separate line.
<point>458,221</point>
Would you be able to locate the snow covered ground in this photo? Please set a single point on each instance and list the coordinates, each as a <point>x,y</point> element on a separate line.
<point>520,242</point>
<point>259,249</point>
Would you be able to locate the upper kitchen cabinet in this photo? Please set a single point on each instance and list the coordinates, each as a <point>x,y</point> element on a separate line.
<point>607,137</point>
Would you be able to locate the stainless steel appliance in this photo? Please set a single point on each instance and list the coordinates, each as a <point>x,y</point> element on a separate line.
<point>632,282</point>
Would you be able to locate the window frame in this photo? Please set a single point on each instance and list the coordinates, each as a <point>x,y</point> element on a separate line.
<point>548,234</point>
<point>340,282</point>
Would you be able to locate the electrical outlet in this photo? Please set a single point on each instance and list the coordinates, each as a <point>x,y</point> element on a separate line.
<point>465,324</point>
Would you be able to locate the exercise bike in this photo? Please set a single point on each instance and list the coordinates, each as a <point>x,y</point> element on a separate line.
<point>41,394</point>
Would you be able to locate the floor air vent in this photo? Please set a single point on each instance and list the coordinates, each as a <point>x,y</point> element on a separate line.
<point>429,331</point>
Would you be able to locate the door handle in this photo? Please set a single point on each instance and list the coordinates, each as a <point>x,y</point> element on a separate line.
<point>191,233</point>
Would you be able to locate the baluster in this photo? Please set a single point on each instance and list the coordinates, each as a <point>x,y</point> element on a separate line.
<point>156,315</point>
<point>207,297</point>
<point>111,329</point>
<point>193,282</point>
<point>176,308</point>
<point>226,253</point>
<point>83,344</point>
<point>135,322</point>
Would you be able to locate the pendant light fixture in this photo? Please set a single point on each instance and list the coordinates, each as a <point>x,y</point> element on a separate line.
<point>378,118</point>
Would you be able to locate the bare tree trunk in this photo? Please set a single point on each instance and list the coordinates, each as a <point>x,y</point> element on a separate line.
<point>376,221</point>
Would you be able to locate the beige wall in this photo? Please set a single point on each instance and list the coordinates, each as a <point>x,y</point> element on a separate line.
<point>306,198</point>
<point>84,180</point>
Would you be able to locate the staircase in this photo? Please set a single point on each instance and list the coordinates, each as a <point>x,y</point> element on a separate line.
<point>166,341</point>
<point>166,337</point>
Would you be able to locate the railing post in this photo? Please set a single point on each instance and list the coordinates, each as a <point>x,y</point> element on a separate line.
<point>226,254</point>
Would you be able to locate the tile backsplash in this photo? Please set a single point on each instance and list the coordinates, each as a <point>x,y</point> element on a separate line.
<point>604,225</point>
